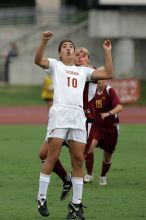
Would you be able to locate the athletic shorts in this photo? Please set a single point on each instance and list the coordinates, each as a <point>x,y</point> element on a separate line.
<point>67,123</point>
<point>66,117</point>
<point>106,136</point>
<point>68,134</point>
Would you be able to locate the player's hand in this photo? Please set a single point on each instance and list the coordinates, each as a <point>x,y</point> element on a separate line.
<point>47,35</point>
<point>104,115</point>
<point>91,148</point>
<point>107,45</point>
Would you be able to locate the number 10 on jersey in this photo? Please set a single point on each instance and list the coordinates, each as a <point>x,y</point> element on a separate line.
<point>72,82</point>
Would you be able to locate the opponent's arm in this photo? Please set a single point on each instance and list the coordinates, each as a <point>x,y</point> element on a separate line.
<point>39,59</point>
<point>118,108</point>
<point>108,72</point>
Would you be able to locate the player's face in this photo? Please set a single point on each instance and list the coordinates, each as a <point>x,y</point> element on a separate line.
<point>81,58</point>
<point>77,59</point>
<point>101,83</point>
<point>67,51</point>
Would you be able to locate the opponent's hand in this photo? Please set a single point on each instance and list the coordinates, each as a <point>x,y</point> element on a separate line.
<point>104,115</point>
<point>47,35</point>
<point>107,45</point>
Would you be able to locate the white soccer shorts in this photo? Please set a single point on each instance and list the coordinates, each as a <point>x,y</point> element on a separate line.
<point>68,134</point>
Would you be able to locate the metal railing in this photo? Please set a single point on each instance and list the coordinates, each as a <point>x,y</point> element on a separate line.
<point>17,15</point>
<point>30,15</point>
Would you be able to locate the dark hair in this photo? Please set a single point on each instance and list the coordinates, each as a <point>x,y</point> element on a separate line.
<point>62,42</point>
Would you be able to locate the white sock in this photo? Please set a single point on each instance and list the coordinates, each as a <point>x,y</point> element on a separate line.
<point>43,185</point>
<point>77,183</point>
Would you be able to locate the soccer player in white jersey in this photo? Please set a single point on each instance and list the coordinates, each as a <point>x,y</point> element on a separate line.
<point>66,117</point>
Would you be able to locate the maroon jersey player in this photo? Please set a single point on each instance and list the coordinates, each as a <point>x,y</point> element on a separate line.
<point>105,105</point>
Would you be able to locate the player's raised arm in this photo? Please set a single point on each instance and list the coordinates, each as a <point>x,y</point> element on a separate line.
<point>108,72</point>
<point>39,59</point>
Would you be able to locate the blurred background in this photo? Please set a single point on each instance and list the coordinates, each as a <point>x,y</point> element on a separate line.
<point>87,23</point>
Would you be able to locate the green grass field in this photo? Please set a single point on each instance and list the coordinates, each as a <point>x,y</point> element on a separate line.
<point>20,95</point>
<point>123,198</point>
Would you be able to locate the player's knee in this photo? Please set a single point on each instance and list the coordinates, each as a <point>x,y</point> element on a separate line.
<point>42,155</point>
<point>51,159</point>
<point>108,160</point>
<point>107,157</point>
<point>78,161</point>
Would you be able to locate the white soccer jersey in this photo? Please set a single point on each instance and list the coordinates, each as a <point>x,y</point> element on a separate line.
<point>91,91</point>
<point>68,83</point>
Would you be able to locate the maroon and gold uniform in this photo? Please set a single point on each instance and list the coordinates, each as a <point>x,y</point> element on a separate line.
<point>104,130</point>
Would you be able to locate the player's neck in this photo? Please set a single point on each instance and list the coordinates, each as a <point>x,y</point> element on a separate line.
<point>68,62</point>
<point>99,90</point>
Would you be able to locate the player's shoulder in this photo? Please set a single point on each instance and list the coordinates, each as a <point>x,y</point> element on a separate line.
<point>87,70</point>
<point>52,59</point>
<point>55,63</point>
<point>85,67</point>
<point>110,90</point>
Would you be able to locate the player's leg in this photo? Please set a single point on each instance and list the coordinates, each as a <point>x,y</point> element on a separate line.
<point>43,151</point>
<point>109,141</point>
<point>89,162</point>
<point>58,169</point>
<point>106,164</point>
<point>61,172</point>
<point>66,178</point>
<point>77,158</point>
<point>67,184</point>
<point>54,149</point>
